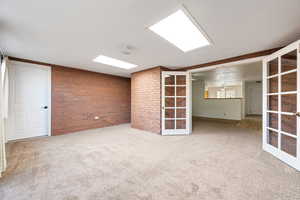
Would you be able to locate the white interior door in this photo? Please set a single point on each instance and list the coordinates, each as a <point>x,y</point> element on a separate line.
<point>255,99</point>
<point>176,97</point>
<point>281,115</point>
<point>29,109</point>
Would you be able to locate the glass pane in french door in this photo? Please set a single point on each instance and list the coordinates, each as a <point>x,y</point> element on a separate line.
<point>272,138</point>
<point>273,85</point>
<point>169,91</point>
<point>180,91</point>
<point>180,80</point>
<point>170,80</point>
<point>273,67</point>
<point>180,124</point>
<point>181,102</point>
<point>288,103</point>
<point>170,113</point>
<point>169,124</point>
<point>169,102</point>
<point>289,145</point>
<point>180,113</point>
<point>273,102</point>
<point>289,124</point>
<point>273,120</point>
<point>289,82</point>
<point>289,61</point>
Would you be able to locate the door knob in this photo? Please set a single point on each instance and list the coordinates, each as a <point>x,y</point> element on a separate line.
<point>297,114</point>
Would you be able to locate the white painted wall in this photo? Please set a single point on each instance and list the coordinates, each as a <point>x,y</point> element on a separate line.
<point>214,108</point>
<point>253,98</point>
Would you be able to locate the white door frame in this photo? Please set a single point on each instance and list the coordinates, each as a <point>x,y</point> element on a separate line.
<point>49,80</point>
<point>188,105</point>
<point>285,157</point>
<point>49,100</point>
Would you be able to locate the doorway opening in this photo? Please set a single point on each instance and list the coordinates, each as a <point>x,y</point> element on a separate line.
<point>264,92</point>
<point>229,94</point>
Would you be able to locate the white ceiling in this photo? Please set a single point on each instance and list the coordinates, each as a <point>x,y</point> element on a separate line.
<point>74,32</point>
<point>232,74</point>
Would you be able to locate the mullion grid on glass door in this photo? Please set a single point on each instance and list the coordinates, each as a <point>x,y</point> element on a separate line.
<point>175,96</point>
<point>279,94</point>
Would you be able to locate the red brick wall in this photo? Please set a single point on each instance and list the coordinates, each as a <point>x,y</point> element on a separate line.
<point>78,96</point>
<point>145,100</point>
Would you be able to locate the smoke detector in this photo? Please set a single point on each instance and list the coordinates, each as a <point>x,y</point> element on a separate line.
<point>127,49</point>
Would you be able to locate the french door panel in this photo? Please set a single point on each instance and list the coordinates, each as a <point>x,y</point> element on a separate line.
<point>175,103</point>
<point>281,104</point>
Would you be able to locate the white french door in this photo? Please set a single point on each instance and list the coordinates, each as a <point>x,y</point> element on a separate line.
<point>176,107</point>
<point>281,104</point>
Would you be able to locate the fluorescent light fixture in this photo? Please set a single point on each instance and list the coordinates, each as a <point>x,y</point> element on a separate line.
<point>114,62</point>
<point>180,30</point>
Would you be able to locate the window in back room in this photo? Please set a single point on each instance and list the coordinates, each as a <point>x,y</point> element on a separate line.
<point>223,90</point>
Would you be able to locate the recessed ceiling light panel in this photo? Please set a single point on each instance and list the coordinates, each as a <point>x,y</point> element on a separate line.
<point>180,30</point>
<point>114,62</point>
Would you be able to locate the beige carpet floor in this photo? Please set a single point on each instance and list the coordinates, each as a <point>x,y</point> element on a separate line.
<point>218,161</point>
